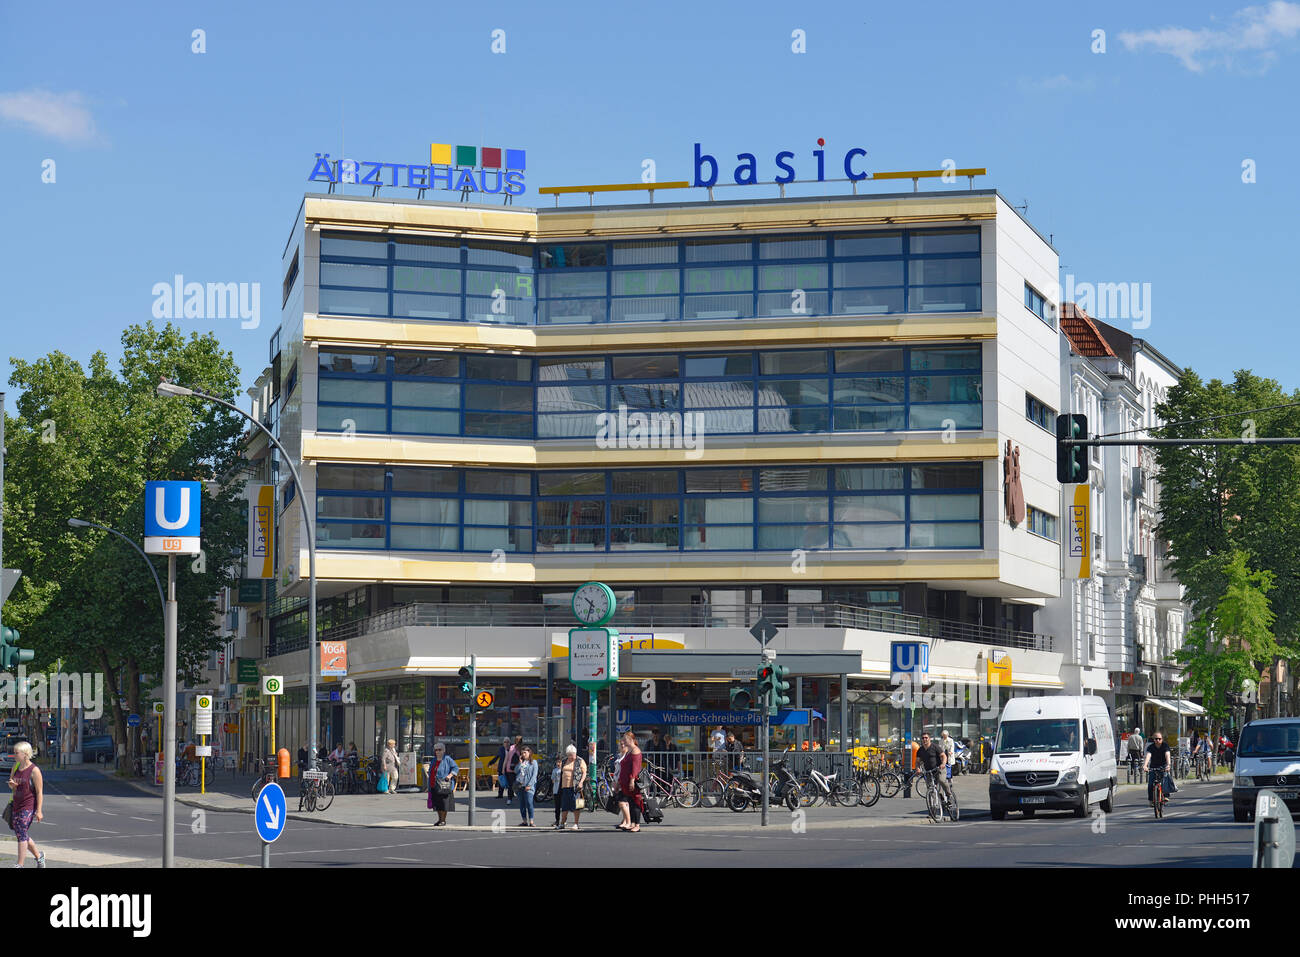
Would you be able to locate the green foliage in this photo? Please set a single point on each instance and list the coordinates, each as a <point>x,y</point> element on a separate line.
<point>1217,501</point>
<point>1232,641</point>
<point>82,446</point>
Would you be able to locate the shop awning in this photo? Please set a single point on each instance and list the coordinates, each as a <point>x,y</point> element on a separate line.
<point>1187,708</point>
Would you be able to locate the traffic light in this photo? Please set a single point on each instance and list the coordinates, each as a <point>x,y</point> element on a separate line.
<point>780,686</point>
<point>1071,460</point>
<point>742,698</point>
<point>11,656</point>
<point>764,683</point>
<point>466,681</point>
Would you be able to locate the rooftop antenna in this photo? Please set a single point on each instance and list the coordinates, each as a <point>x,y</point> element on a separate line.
<point>1023,207</point>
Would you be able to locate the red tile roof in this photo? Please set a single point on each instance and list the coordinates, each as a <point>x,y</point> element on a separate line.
<point>1085,338</point>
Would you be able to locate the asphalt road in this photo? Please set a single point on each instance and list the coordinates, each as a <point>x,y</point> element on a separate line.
<point>95,821</point>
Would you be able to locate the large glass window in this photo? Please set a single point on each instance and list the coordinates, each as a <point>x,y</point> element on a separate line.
<point>779,508</point>
<point>861,273</point>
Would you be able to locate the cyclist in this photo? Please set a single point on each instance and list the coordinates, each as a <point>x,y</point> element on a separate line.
<point>930,756</point>
<point>1135,747</point>
<point>1158,761</point>
<point>1202,749</point>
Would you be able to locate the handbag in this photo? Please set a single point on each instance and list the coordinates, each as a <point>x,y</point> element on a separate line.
<point>502,782</point>
<point>9,815</point>
<point>579,802</point>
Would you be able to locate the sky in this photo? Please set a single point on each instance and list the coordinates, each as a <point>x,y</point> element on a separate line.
<point>1159,151</point>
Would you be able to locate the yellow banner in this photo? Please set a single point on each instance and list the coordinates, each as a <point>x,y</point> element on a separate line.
<point>1078,553</point>
<point>261,531</point>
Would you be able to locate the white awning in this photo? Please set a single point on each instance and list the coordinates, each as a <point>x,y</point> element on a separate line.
<point>1188,708</point>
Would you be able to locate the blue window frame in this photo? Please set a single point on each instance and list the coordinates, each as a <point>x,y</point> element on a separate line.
<point>734,277</point>
<point>1040,523</point>
<point>779,508</point>
<point>874,388</point>
<point>1036,303</point>
<point>1040,413</point>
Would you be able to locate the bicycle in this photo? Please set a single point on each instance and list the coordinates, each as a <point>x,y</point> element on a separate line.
<point>939,801</point>
<point>670,790</point>
<point>828,788</point>
<point>1182,766</point>
<point>187,774</point>
<point>712,790</point>
<point>265,771</point>
<point>1158,793</point>
<point>315,791</point>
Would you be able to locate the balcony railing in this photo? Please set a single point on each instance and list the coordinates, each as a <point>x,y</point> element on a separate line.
<point>662,617</point>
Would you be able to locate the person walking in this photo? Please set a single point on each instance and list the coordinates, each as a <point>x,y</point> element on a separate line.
<point>734,750</point>
<point>950,753</point>
<point>389,764</point>
<point>28,789</point>
<point>573,774</point>
<point>442,784</point>
<point>526,782</point>
<point>555,787</point>
<point>630,802</point>
<point>503,752</point>
<point>511,759</point>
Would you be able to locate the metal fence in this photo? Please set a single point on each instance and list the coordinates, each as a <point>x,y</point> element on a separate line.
<point>663,616</point>
<point>701,766</point>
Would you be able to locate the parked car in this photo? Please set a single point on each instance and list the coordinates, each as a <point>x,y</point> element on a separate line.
<point>97,748</point>
<point>1268,756</point>
<point>7,759</point>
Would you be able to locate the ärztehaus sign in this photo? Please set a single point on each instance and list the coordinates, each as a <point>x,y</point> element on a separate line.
<point>489,169</point>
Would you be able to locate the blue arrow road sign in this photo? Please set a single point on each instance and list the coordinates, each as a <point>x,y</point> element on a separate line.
<point>270,813</point>
<point>133,721</point>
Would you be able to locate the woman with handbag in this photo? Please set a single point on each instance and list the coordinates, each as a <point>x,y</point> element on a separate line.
<point>573,773</point>
<point>442,784</point>
<point>391,764</point>
<point>29,795</point>
<point>630,802</point>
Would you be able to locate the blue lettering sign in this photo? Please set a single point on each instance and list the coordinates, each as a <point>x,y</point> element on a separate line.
<point>746,171</point>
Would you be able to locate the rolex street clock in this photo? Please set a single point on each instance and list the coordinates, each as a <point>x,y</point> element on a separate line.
<point>594,603</point>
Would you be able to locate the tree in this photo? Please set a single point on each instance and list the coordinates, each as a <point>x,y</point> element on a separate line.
<point>1217,501</point>
<point>83,445</point>
<point>1233,641</point>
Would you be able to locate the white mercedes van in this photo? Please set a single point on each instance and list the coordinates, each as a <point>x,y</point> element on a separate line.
<point>1053,753</point>
<point>1268,756</point>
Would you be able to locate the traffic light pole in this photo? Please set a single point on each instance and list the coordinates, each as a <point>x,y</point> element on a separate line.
<point>767,777</point>
<point>473,736</point>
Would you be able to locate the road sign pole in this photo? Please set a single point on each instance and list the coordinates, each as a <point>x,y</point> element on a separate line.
<point>473,737</point>
<point>169,719</point>
<point>266,854</point>
<point>767,778</point>
<point>203,766</point>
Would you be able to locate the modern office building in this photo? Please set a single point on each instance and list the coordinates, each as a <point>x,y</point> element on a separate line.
<point>1125,621</point>
<point>804,409</point>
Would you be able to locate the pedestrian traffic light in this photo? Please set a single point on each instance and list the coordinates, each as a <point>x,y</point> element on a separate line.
<point>780,686</point>
<point>1071,460</point>
<point>466,681</point>
<point>742,698</point>
<point>11,656</point>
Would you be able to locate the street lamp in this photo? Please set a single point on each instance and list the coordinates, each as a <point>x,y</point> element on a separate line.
<point>167,389</point>
<point>169,755</point>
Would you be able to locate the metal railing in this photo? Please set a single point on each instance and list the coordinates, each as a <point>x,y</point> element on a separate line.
<point>665,616</point>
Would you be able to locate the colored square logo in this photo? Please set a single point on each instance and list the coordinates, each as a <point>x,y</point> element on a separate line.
<point>491,157</point>
<point>466,156</point>
<point>514,159</point>
<point>440,154</point>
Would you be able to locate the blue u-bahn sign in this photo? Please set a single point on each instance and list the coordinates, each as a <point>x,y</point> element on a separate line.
<point>172,517</point>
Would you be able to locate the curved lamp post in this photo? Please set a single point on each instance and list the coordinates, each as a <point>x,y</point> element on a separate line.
<point>166,388</point>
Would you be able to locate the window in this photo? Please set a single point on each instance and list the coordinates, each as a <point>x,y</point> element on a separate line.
<point>1040,523</point>
<point>1040,413</point>
<point>1039,306</point>
<point>695,509</point>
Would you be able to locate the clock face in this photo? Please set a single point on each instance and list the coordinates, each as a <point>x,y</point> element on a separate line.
<point>593,603</point>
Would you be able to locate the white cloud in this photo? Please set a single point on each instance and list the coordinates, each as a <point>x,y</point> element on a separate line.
<point>63,116</point>
<point>1253,30</point>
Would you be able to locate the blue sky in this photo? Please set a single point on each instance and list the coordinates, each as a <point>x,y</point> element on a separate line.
<point>168,161</point>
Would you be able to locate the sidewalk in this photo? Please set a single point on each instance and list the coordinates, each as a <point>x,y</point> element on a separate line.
<point>407,809</point>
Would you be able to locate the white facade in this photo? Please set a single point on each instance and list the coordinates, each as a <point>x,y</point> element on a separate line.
<point>1119,627</point>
